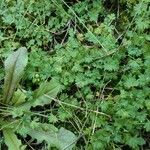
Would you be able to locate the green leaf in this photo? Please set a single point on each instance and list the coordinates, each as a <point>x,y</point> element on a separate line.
<point>134,142</point>
<point>18,98</point>
<point>63,139</point>
<point>131,82</point>
<point>45,93</point>
<point>66,139</point>
<point>12,141</point>
<point>147,126</point>
<point>14,67</point>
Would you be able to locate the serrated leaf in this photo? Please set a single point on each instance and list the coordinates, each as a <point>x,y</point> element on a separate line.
<point>18,98</point>
<point>147,126</point>
<point>134,142</point>
<point>14,67</point>
<point>131,82</point>
<point>63,139</point>
<point>12,141</point>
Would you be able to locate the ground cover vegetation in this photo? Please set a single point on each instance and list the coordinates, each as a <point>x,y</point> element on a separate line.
<point>74,75</point>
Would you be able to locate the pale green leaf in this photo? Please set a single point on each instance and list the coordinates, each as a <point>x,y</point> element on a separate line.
<point>45,93</point>
<point>12,141</point>
<point>66,139</point>
<point>18,98</point>
<point>14,67</point>
<point>63,139</point>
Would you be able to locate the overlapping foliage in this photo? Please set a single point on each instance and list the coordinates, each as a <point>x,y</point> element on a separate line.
<point>99,52</point>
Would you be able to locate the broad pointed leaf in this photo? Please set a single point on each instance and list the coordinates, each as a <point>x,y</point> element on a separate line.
<point>14,67</point>
<point>45,93</point>
<point>63,139</point>
<point>18,98</point>
<point>66,139</point>
<point>12,141</point>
